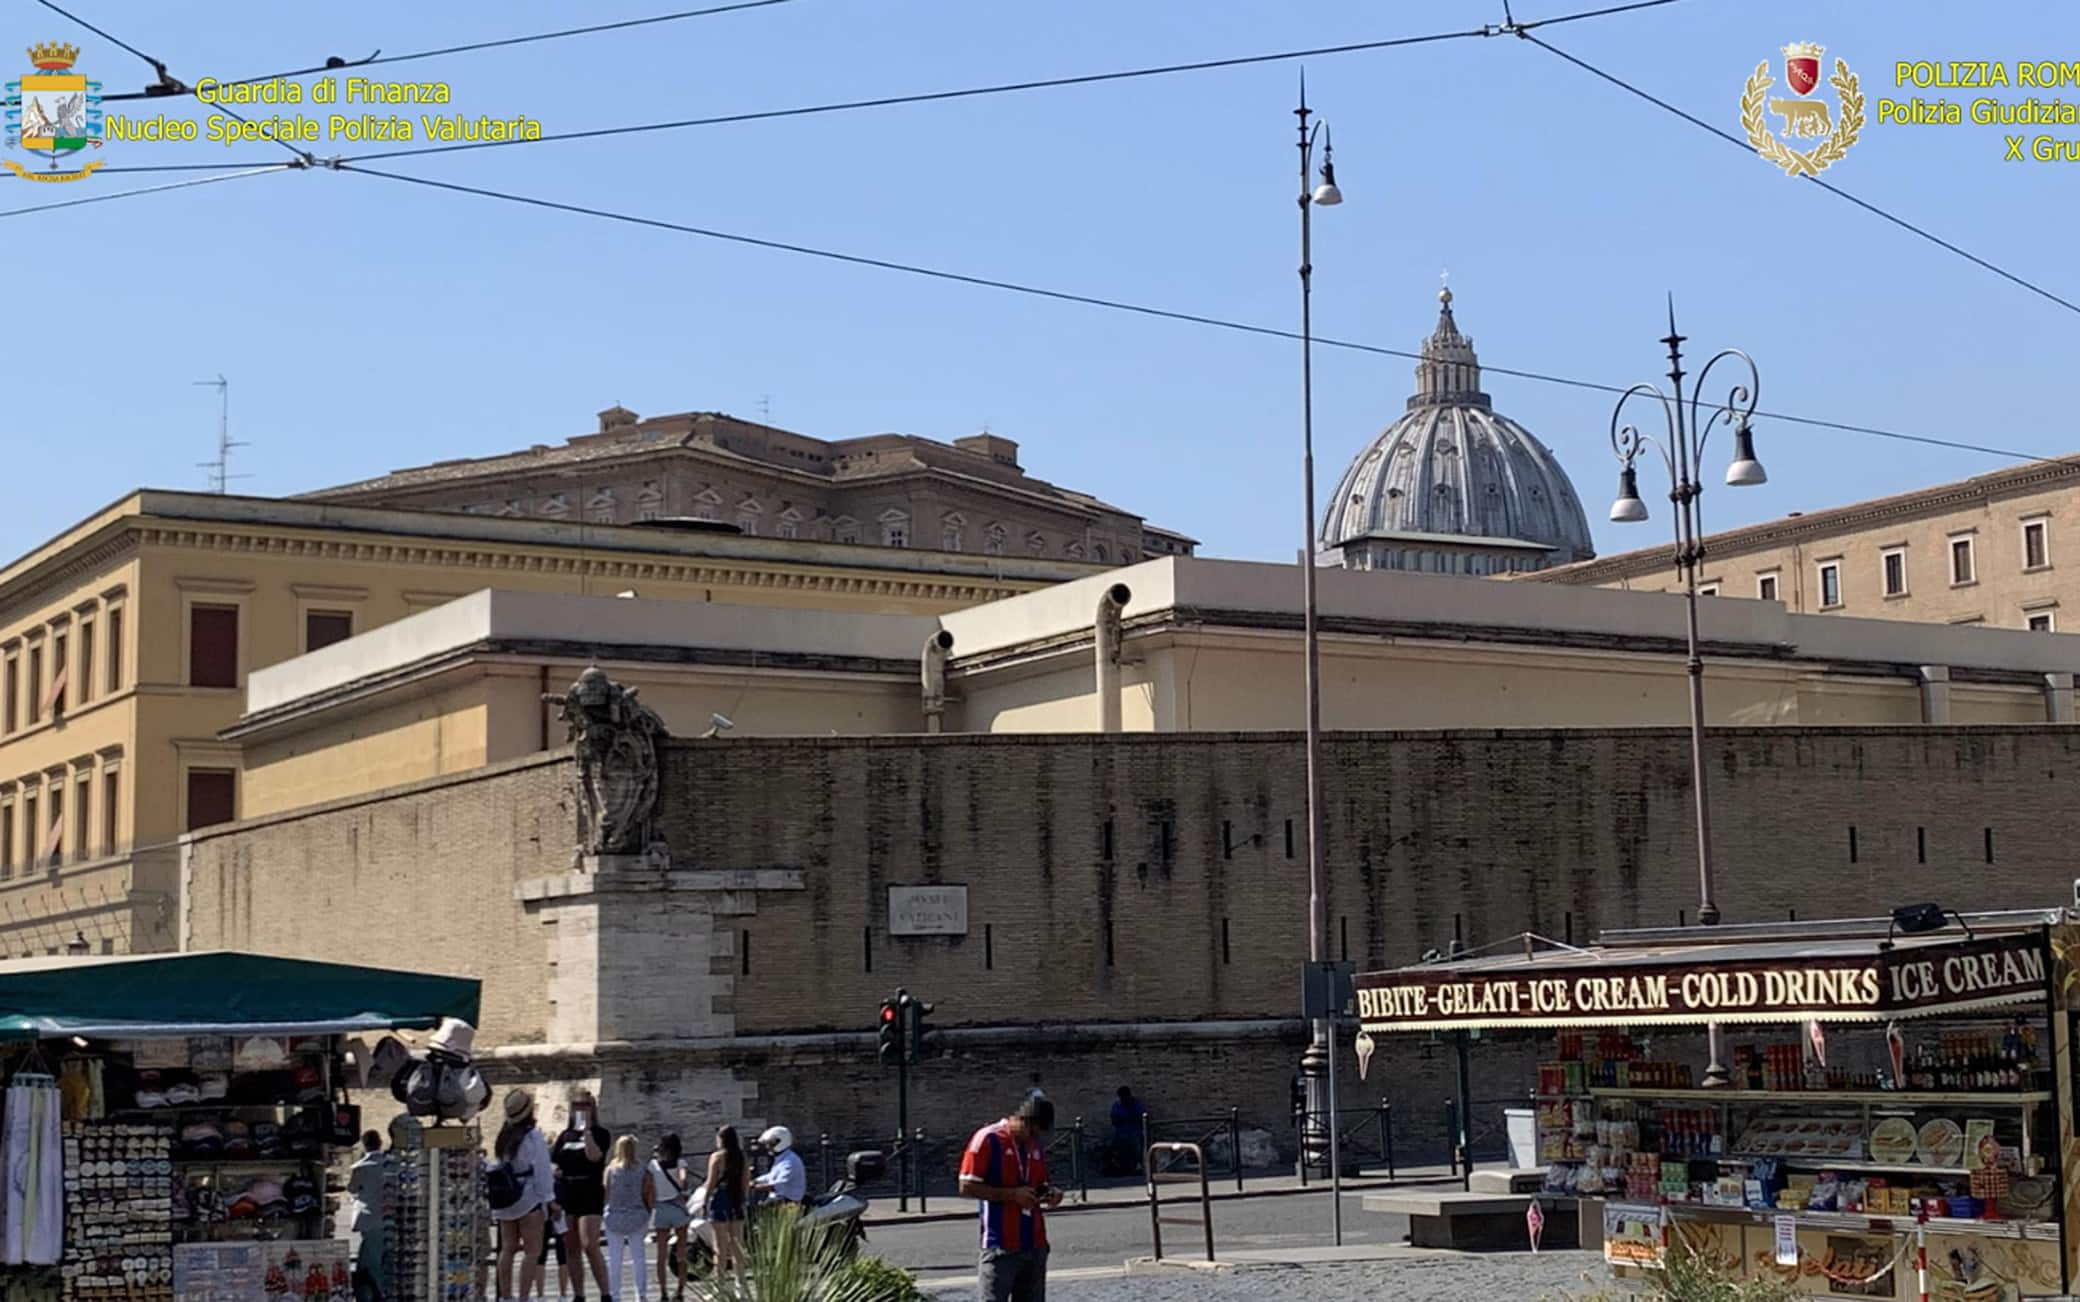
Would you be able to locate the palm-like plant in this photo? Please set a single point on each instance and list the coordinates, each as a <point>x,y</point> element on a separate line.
<point>788,1259</point>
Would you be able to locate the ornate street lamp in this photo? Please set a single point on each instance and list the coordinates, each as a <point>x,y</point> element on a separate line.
<point>1318,1136</point>
<point>1689,425</point>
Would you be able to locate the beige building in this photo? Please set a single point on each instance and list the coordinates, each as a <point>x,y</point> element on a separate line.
<point>1196,645</point>
<point>126,643</point>
<point>890,490</point>
<point>1999,549</point>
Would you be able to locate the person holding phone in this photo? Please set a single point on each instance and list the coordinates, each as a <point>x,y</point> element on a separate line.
<point>580,1155</point>
<point>1005,1170</point>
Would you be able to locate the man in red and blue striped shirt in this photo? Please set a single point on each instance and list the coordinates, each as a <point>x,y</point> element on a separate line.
<point>1005,1169</point>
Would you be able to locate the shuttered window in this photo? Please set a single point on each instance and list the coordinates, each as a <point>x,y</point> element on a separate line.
<point>212,797</point>
<point>213,646</point>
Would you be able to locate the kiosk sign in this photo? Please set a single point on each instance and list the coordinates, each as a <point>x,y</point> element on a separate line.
<point>1777,989</point>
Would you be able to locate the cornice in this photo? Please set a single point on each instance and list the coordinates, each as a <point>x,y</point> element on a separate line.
<point>441,554</point>
<point>66,570</point>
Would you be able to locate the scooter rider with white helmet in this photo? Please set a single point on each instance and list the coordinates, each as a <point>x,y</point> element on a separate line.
<point>788,1180</point>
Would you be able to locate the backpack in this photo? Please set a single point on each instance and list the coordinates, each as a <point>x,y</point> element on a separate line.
<point>503,1185</point>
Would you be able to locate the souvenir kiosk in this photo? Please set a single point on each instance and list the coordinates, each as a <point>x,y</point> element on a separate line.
<point>1894,1118</point>
<point>173,1120</point>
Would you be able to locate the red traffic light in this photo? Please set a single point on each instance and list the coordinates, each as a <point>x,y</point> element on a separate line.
<point>888,1012</point>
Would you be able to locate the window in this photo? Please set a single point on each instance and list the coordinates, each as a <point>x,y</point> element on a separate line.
<point>212,797</point>
<point>1962,570</point>
<point>212,646</point>
<point>31,829</point>
<point>2036,544</point>
<point>54,844</point>
<point>111,811</point>
<point>895,529</point>
<point>322,628</point>
<point>60,675</point>
<point>1894,563</point>
<point>6,840</point>
<point>115,648</point>
<point>1830,585</point>
<point>951,531</point>
<point>1703,589</point>
<point>85,677</point>
<point>32,687</point>
<point>1766,586</point>
<point>9,672</point>
<point>2042,622</point>
<point>993,541</point>
<point>845,529</point>
<point>83,813</point>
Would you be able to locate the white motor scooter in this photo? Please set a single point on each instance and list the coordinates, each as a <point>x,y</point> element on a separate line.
<point>841,1207</point>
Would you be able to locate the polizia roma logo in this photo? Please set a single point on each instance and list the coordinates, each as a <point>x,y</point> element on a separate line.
<point>1804,118</point>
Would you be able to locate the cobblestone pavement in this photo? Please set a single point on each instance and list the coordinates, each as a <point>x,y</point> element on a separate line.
<point>1511,1277</point>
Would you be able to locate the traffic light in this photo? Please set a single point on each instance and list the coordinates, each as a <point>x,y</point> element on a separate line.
<point>919,1010</point>
<point>891,1037</point>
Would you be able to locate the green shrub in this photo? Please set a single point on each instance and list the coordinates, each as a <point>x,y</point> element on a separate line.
<point>877,1281</point>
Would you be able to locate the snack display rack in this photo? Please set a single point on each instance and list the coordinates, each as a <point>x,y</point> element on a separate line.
<point>1889,1098</point>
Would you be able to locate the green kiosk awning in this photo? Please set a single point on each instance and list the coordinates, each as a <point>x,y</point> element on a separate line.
<point>219,993</point>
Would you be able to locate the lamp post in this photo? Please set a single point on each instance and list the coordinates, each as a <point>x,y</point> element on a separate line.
<point>1318,1063</point>
<point>1682,451</point>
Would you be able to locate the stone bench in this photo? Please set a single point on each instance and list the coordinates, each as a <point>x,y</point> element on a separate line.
<point>1478,1222</point>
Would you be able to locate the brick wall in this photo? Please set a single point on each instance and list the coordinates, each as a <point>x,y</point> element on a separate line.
<point>1148,878</point>
<point>1188,909</point>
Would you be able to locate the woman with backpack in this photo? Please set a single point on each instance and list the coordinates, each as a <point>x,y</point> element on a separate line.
<point>627,1215</point>
<point>729,1198</point>
<point>670,1183</point>
<point>517,1186</point>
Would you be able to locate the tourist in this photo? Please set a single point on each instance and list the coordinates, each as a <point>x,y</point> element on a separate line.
<point>523,1153</point>
<point>627,1215</point>
<point>670,1183</point>
<point>581,1192</point>
<point>1005,1170</point>
<point>1128,1117</point>
<point>368,1210</point>
<point>729,1198</point>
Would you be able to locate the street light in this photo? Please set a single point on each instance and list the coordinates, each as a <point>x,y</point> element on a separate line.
<point>1683,452</point>
<point>1318,1063</point>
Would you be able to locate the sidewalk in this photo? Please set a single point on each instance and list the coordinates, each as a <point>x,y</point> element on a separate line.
<point>1266,1184</point>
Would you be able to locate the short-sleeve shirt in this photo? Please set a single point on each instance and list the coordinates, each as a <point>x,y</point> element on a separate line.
<point>995,1158</point>
<point>580,1181</point>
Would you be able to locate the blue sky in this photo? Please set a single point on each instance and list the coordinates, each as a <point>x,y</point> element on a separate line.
<point>366,324</point>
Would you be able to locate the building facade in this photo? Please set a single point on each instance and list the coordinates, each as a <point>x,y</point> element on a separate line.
<point>1454,486</point>
<point>889,490</point>
<point>126,643</point>
<point>2000,550</point>
<point>1130,908</point>
<point>1199,646</point>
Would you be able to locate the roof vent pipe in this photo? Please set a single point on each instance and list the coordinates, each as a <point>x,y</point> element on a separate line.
<point>935,649</point>
<point>1107,638</point>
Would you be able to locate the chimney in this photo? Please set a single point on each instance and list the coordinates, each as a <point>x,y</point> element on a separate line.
<point>617,417</point>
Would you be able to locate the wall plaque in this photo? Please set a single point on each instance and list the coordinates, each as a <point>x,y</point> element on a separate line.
<point>927,910</point>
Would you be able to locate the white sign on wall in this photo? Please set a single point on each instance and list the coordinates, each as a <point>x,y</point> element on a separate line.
<point>927,910</point>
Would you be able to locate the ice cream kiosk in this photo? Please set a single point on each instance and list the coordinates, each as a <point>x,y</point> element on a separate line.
<point>1864,1108</point>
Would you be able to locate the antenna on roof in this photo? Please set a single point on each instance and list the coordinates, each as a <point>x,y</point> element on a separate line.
<point>765,408</point>
<point>220,474</point>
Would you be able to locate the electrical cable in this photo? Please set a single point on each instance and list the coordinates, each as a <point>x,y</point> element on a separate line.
<point>377,59</point>
<point>936,96</point>
<point>1832,189</point>
<point>1119,305</point>
<point>152,189</point>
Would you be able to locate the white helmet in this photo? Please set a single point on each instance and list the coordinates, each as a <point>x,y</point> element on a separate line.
<point>777,1138</point>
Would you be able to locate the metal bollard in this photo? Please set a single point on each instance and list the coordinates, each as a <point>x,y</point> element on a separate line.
<point>917,1172</point>
<point>1386,1136</point>
<point>1083,1184</point>
<point>1235,1144</point>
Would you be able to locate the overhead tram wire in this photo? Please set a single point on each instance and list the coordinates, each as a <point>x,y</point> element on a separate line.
<point>378,59</point>
<point>937,96</point>
<point>152,189</point>
<point>1121,305</point>
<point>167,81</point>
<point>1828,186</point>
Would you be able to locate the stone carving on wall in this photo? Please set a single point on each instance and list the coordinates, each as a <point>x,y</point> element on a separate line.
<point>615,737</point>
